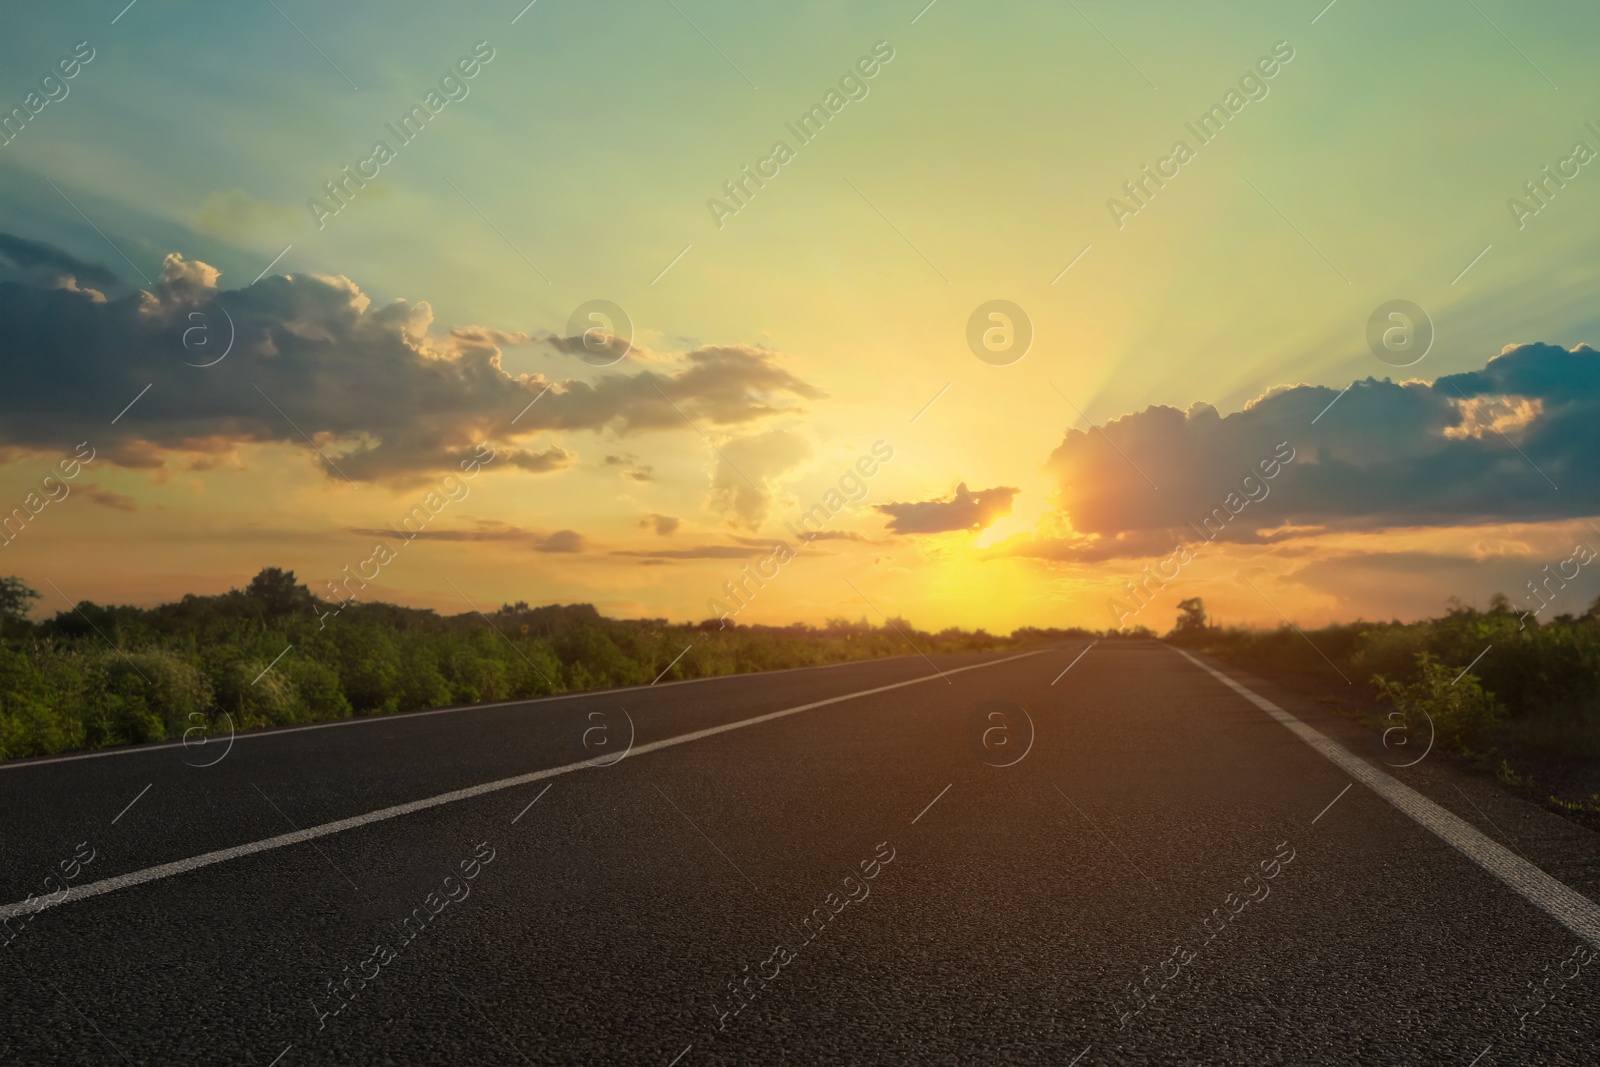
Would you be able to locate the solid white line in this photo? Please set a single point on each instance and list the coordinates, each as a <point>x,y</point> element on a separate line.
<point>931,803</point>
<point>1080,1055</point>
<point>524,11</point>
<point>1562,903</point>
<point>131,803</point>
<point>121,13</point>
<point>1332,802</point>
<point>576,694</point>
<point>168,870</point>
<point>1480,1056</point>
<point>1074,662</point>
<point>685,1052</point>
<point>1324,11</point>
<point>281,1055</point>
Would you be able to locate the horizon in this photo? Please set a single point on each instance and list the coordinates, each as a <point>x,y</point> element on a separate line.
<point>660,362</point>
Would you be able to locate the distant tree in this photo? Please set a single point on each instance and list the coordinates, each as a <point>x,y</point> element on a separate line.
<point>277,591</point>
<point>1191,616</point>
<point>1499,604</point>
<point>15,598</point>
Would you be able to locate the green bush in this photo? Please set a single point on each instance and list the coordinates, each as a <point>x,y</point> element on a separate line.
<point>1461,711</point>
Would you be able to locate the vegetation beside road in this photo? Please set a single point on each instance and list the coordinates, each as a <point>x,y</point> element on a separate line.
<point>1498,687</point>
<point>274,654</point>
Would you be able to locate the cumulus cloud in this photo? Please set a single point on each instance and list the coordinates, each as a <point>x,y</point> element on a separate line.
<point>747,469</point>
<point>375,388</point>
<point>1482,446</point>
<point>966,510</point>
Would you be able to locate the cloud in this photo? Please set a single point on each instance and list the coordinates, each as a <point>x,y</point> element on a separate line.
<point>746,470</point>
<point>699,552</point>
<point>554,458</point>
<point>494,530</point>
<point>379,392</point>
<point>965,510</point>
<point>665,525</point>
<point>1483,446</point>
<point>107,498</point>
<point>46,264</point>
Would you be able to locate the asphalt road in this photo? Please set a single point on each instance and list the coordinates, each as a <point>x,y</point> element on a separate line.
<point>1157,870</point>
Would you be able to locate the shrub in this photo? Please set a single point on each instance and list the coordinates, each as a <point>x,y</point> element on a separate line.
<point>1460,709</point>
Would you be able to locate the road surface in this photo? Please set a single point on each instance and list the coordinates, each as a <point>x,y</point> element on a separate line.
<point>1070,856</point>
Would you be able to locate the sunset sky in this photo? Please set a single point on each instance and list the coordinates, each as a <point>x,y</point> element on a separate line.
<point>775,341</point>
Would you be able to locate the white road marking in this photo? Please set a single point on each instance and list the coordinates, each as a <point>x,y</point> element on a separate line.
<point>367,720</point>
<point>1565,905</point>
<point>168,870</point>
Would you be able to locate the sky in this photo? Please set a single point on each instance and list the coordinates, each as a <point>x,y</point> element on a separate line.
<point>798,219</point>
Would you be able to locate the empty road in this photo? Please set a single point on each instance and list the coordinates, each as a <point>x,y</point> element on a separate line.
<point>1101,855</point>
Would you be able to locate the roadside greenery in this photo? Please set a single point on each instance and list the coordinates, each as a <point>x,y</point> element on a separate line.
<point>1529,685</point>
<point>101,675</point>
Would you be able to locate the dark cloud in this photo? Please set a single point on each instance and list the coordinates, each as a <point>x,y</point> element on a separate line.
<point>1489,445</point>
<point>554,458</point>
<point>106,498</point>
<point>48,264</point>
<point>966,510</point>
<point>380,393</point>
<point>494,530</point>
